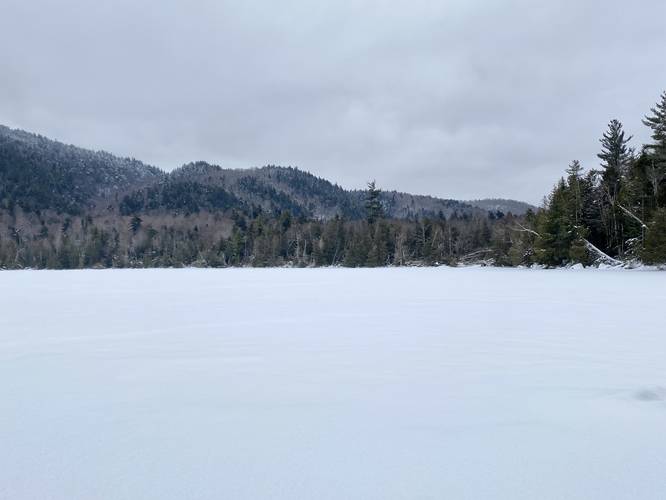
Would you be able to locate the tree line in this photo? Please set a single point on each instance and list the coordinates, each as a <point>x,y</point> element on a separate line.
<point>257,239</point>
<point>613,213</point>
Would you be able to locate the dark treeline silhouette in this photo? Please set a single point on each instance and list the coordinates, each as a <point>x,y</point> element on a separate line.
<point>256,239</point>
<point>62,207</point>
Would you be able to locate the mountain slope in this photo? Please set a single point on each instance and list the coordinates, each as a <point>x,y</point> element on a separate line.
<point>286,188</point>
<point>276,189</point>
<point>502,205</point>
<point>38,174</point>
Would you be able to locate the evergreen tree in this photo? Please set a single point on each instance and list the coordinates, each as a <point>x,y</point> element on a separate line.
<point>655,240</point>
<point>657,122</point>
<point>358,248</point>
<point>615,158</point>
<point>574,181</point>
<point>657,159</point>
<point>373,205</point>
<point>555,228</point>
<point>135,224</point>
<point>380,252</point>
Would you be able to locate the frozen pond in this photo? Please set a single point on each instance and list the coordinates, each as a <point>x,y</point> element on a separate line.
<point>332,384</point>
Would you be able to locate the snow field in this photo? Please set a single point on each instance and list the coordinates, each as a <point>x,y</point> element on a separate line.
<point>332,384</point>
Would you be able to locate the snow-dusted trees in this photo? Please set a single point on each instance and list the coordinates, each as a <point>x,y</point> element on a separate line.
<point>615,212</point>
<point>615,159</point>
<point>561,228</point>
<point>615,156</point>
<point>656,168</point>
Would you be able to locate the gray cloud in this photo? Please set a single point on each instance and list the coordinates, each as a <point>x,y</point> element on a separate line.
<point>452,98</point>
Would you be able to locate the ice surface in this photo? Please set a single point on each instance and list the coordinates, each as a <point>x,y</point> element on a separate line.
<point>332,384</point>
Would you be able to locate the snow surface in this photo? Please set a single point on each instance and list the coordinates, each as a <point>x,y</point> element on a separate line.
<point>332,384</point>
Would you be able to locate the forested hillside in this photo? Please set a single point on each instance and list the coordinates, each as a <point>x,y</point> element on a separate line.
<point>502,205</point>
<point>67,207</point>
<point>40,174</point>
<point>612,213</point>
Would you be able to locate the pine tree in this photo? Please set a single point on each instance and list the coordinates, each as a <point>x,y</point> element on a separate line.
<point>656,170</point>
<point>380,252</point>
<point>655,240</point>
<point>615,158</point>
<point>657,122</point>
<point>574,180</point>
<point>135,224</point>
<point>373,205</point>
<point>358,247</point>
<point>556,230</point>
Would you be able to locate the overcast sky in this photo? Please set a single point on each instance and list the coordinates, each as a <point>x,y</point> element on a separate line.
<point>461,99</point>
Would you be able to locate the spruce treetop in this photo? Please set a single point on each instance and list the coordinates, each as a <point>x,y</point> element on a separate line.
<point>657,122</point>
<point>373,205</point>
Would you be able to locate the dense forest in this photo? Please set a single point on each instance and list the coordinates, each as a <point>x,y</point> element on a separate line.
<point>250,237</point>
<point>64,207</point>
<point>615,213</point>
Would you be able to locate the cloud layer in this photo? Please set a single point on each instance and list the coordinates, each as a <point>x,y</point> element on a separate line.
<point>459,99</point>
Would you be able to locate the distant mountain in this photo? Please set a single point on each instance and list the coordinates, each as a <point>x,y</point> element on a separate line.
<point>286,188</point>
<point>502,205</point>
<point>37,174</point>
<point>276,189</point>
<point>40,174</point>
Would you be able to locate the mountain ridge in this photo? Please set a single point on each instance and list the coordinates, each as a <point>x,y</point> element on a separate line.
<point>38,173</point>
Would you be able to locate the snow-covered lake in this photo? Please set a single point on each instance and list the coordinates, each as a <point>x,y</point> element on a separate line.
<point>332,384</point>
